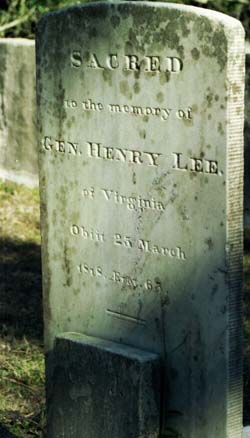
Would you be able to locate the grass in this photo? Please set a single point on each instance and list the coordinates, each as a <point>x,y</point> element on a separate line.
<point>22,387</point>
<point>22,395</point>
<point>19,216</point>
<point>22,399</point>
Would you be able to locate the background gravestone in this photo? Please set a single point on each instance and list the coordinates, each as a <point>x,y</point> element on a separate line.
<point>18,134</point>
<point>140,125</point>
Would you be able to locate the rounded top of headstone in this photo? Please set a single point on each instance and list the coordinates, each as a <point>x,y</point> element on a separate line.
<point>17,41</point>
<point>148,7</point>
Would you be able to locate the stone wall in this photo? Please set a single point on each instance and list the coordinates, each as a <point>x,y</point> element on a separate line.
<point>18,144</point>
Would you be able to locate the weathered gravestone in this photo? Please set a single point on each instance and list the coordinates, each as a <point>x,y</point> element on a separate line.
<point>18,152</point>
<point>140,121</point>
<point>99,388</point>
<point>247,145</point>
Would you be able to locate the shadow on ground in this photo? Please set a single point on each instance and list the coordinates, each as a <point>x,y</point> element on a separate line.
<point>4,433</point>
<point>21,289</point>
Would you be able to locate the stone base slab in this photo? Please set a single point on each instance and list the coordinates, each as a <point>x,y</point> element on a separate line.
<point>98,388</point>
<point>246,432</point>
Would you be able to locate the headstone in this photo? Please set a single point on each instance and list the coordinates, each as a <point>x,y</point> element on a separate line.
<point>18,134</point>
<point>140,125</point>
<point>247,146</point>
<point>123,382</point>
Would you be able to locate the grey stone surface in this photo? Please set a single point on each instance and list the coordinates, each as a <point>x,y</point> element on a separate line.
<point>247,144</point>
<point>98,388</point>
<point>18,136</point>
<point>246,432</point>
<point>141,175</point>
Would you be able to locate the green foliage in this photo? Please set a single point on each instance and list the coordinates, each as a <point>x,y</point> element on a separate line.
<point>18,18</point>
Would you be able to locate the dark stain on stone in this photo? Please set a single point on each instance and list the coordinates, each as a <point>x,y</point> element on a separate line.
<point>134,178</point>
<point>213,41</point>
<point>209,98</point>
<point>128,47</point>
<point>107,76</point>
<point>160,97</point>
<point>115,20</point>
<point>136,87</point>
<point>195,53</point>
<point>126,72</point>
<point>209,243</point>
<point>124,88</point>
<point>142,133</point>
<point>180,51</point>
<point>67,266</point>
<point>69,124</point>
<point>184,25</point>
<point>214,290</point>
<point>164,77</point>
<point>220,128</point>
<point>86,56</point>
<point>188,122</point>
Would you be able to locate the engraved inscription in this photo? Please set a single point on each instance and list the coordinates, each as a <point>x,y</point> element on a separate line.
<point>124,316</point>
<point>96,150</point>
<point>81,231</point>
<point>127,242</point>
<point>162,113</point>
<point>61,146</point>
<point>149,247</point>
<point>129,62</point>
<point>120,279</point>
<point>194,164</point>
<point>131,202</point>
